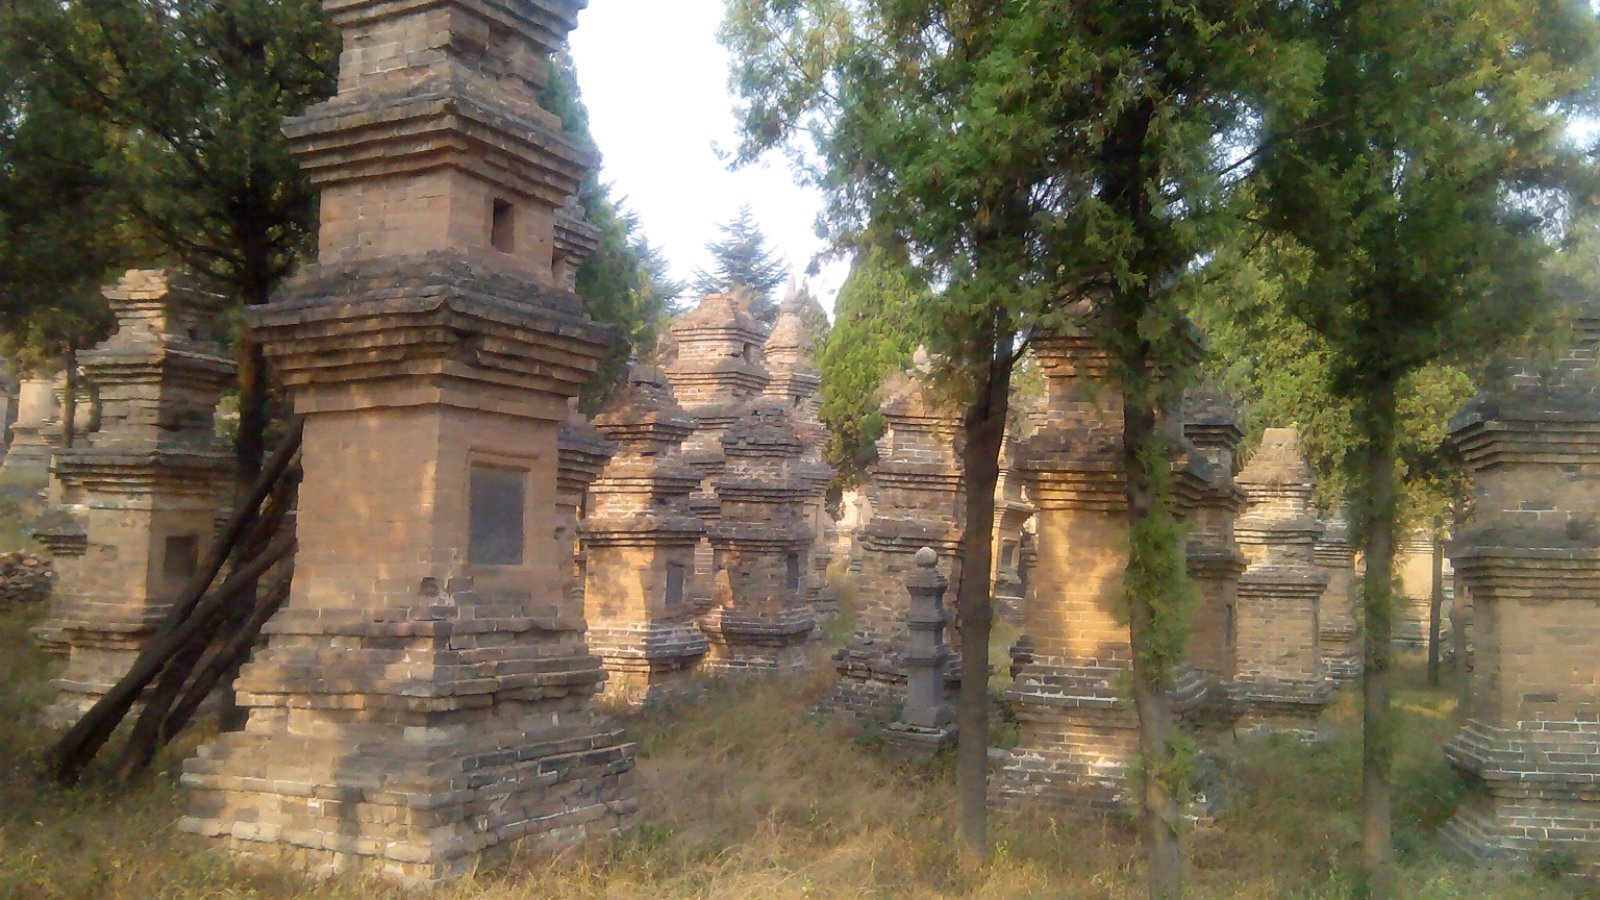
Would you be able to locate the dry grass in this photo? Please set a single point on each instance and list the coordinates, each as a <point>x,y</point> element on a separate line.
<point>745,796</point>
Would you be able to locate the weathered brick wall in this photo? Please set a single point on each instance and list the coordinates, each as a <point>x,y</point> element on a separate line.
<point>1338,609</point>
<point>1078,729</point>
<point>1281,679</point>
<point>1529,747</point>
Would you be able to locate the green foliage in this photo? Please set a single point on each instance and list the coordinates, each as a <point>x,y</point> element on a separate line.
<point>874,334</point>
<point>194,94</point>
<point>1282,372</point>
<point>624,283</point>
<point>58,220</point>
<point>741,260</point>
<point>1157,574</point>
<point>1425,176</point>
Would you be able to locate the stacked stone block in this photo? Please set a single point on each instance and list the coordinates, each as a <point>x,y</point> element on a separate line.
<point>1281,679</point>
<point>759,619</point>
<point>1338,611</point>
<point>426,695</point>
<point>918,500</point>
<point>639,541</point>
<point>1211,426</point>
<point>148,487</point>
<point>716,372</point>
<point>1529,747</point>
<point>1078,728</point>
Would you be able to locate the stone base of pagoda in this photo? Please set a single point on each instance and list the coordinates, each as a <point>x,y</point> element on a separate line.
<point>743,642</point>
<point>649,664</point>
<point>1274,706</point>
<point>872,682</point>
<point>1341,653</point>
<point>1411,624</point>
<point>27,460</point>
<point>392,803</point>
<point>408,742</point>
<point>913,744</point>
<point>1079,737</point>
<point>1532,793</point>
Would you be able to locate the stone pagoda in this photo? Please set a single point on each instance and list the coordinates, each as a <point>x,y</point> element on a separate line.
<point>1413,602</point>
<point>918,500</point>
<point>582,451</point>
<point>27,459</point>
<point>1211,426</point>
<point>639,541</point>
<point>149,487</point>
<point>1338,611</point>
<point>795,382</point>
<point>1529,747</point>
<point>1281,680</point>
<point>1078,727</point>
<point>1011,514</point>
<point>759,618</point>
<point>716,371</point>
<point>426,695</point>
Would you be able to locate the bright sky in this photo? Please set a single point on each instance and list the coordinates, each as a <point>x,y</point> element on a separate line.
<point>656,84</point>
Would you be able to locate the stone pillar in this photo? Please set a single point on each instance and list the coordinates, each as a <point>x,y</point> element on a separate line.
<point>639,542</point>
<point>1011,513</point>
<point>1079,730</point>
<point>1281,680</point>
<point>1529,746</point>
<point>27,459</point>
<point>919,502</point>
<point>927,722</point>
<point>759,618</point>
<point>582,452</point>
<point>1341,633</point>
<point>716,371</point>
<point>795,383</point>
<point>426,694</point>
<point>1211,426</point>
<point>147,488</point>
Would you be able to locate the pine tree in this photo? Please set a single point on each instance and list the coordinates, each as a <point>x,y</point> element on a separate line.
<point>1425,174</point>
<point>741,260</point>
<point>873,336</point>
<point>60,232</point>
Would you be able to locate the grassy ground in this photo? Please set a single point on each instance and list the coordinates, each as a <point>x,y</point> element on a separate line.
<point>745,796</point>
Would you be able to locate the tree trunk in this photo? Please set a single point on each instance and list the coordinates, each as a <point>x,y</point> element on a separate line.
<point>1377,594</point>
<point>1435,601</point>
<point>985,424</point>
<point>1159,807</point>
